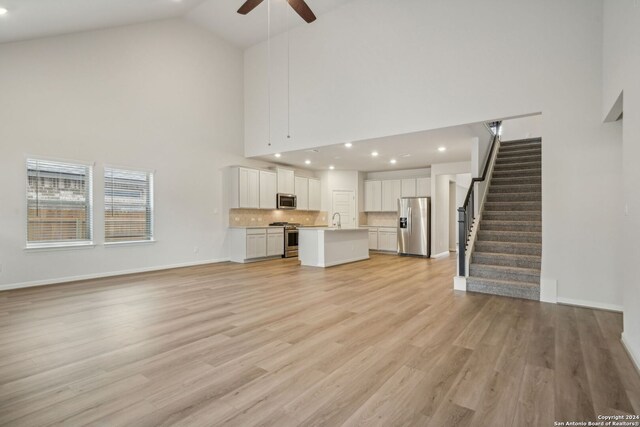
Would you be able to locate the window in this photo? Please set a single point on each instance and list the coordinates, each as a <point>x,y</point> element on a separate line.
<point>58,214</point>
<point>128,206</point>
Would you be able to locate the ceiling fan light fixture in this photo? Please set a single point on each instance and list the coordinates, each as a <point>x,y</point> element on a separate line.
<point>299,6</point>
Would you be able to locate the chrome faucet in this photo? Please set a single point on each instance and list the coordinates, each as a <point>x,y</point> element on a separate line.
<point>333,218</point>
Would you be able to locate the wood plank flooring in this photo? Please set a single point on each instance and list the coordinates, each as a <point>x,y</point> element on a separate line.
<point>380,342</point>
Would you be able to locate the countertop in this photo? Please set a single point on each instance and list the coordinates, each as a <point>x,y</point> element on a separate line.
<point>246,227</point>
<point>333,229</point>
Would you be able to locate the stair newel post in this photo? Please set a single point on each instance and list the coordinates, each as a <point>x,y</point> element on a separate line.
<point>462,240</point>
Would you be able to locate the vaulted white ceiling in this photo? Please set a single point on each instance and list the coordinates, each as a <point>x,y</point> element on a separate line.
<point>220,17</point>
<point>28,19</point>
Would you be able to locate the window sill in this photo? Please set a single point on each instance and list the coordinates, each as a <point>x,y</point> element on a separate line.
<point>129,243</point>
<point>58,246</point>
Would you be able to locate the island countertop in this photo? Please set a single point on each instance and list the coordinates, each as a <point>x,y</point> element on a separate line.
<point>329,246</point>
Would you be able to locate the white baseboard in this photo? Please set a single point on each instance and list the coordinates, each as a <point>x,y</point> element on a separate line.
<point>441,255</point>
<point>107,274</point>
<point>548,290</point>
<point>590,304</point>
<point>634,353</point>
<point>460,283</point>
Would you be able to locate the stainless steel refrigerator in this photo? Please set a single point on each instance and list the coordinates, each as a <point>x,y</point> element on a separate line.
<point>414,226</point>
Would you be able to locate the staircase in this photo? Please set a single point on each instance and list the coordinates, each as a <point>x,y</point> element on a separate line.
<point>506,257</point>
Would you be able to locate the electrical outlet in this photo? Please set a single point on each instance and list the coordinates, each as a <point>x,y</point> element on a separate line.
<point>196,250</point>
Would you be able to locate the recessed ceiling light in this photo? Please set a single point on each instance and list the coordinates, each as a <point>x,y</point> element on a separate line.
<point>442,149</point>
<point>3,11</point>
<point>278,155</point>
<point>307,162</point>
<point>374,154</point>
<point>348,145</point>
<point>393,161</point>
<point>332,167</point>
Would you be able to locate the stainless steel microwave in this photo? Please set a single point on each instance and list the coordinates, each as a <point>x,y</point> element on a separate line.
<point>287,201</point>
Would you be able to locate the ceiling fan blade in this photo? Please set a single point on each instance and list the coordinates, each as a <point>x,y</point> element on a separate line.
<point>248,6</point>
<point>303,10</point>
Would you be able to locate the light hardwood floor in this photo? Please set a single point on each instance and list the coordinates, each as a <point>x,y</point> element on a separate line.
<point>380,342</point>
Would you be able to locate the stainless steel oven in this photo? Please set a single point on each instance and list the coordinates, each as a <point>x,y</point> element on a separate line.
<point>286,201</point>
<point>291,241</point>
<point>290,238</point>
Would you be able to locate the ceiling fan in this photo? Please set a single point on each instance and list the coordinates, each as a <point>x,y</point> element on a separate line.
<point>299,6</point>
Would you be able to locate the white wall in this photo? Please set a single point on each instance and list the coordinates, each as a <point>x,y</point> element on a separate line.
<point>441,174</point>
<point>621,71</point>
<point>376,67</point>
<point>400,174</point>
<point>522,128</point>
<point>165,96</point>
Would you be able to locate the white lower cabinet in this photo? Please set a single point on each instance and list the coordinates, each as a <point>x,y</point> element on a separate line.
<point>373,240</point>
<point>249,244</point>
<point>275,242</point>
<point>256,245</point>
<point>383,239</point>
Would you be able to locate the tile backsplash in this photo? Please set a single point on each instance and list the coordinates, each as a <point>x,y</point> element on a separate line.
<point>380,219</point>
<point>259,217</point>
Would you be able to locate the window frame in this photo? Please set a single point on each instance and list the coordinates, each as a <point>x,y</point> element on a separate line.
<point>61,244</point>
<point>151,176</point>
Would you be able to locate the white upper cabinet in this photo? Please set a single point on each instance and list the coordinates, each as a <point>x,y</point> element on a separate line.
<point>244,188</point>
<point>268,190</point>
<point>314,194</point>
<point>391,192</point>
<point>372,196</point>
<point>302,193</point>
<point>286,181</point>
<point>423,187</point>
<point>409,187</point>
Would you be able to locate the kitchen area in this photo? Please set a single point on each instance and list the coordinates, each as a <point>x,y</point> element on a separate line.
<point>327,218</point>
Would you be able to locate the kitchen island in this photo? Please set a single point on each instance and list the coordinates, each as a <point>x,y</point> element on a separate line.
<point>326,247</point>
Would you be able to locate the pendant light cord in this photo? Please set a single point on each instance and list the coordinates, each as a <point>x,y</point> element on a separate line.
<point>269,68</point>
<point>288,76</point>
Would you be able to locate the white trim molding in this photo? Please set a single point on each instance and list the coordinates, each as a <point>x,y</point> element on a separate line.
<point>634,353</point>
<point>108,274</point>
<point>590,304</point>
<point>460,283</point>
<point>441,254</point>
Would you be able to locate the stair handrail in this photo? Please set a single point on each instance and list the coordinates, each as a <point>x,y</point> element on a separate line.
<point>466,213</point>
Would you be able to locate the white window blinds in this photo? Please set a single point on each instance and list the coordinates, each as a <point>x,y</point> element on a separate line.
<point>59,203</point>
<point>128,204</point>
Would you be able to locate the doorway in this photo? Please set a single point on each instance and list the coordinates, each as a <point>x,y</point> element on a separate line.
<point>344,203</point>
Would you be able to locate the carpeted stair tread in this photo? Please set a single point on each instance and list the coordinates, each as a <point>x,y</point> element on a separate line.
<point>509,236</point>
<point>529,173</point>
<point>515,188</point>
<point>509,260</point>
<point>514,180</point>
<point>504,288</point>
<point>514,197</point>
<point>512,216</point>
<point>517,248</point>
<point>510,225</point>
<point>532,156</point>
<point>512,206</point>
<point>502,166</point>
<point>499,272</point>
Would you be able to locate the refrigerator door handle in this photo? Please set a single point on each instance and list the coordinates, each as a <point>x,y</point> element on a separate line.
<point>409,219</point>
